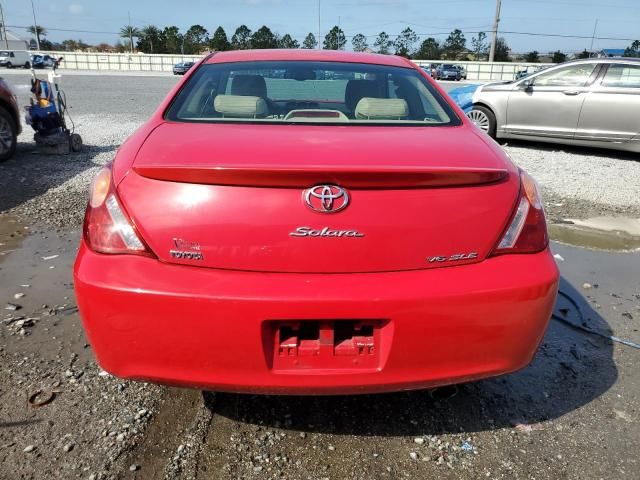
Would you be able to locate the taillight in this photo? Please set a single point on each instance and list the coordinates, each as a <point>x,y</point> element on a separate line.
<point>527,230</point>
<point>107,228</point>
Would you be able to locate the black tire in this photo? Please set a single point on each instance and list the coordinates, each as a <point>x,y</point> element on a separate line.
<point>490,129</point>
<point>27,65</point>
<point>9,65</point>
<point>8,135</point>
<point>75,142</point>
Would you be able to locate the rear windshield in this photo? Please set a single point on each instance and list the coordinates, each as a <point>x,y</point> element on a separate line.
<point>310,92</point>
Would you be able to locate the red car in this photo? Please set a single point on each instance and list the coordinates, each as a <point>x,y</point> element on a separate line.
<point>312,222</point>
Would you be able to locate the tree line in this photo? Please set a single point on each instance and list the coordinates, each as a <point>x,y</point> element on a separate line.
<point>197,39</point>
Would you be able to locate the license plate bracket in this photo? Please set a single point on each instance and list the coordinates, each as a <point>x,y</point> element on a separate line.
<point>326,344</point>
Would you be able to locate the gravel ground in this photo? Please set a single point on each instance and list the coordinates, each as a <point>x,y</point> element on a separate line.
<point>43,349</point>
<point>53,189</point>
<point>580,182</point>
<point>572,414</point>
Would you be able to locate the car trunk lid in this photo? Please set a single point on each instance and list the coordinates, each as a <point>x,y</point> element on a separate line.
<point>235,197</point>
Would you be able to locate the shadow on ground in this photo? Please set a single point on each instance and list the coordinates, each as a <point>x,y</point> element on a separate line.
<point>571,369</point>
<point>29,174</point>
<point>606,153</point>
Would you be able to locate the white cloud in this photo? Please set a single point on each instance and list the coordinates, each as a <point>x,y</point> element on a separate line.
<point>76,9</point>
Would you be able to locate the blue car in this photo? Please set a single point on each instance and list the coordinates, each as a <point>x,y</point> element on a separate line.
<point>463,96</point>
<point>42,61</point>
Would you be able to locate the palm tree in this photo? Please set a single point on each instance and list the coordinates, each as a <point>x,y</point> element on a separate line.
<point>129,31</point>
<point>149,33</point>
<point>38,31</point>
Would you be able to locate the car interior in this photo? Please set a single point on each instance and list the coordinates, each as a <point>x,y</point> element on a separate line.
<point>309,94</point>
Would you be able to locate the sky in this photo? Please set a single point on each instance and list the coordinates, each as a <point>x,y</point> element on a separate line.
<point>616,19</point>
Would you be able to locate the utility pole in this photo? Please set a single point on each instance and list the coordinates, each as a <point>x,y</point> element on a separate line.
<point>318,46</point>
<point>4,28</point>
<point>35,26</point>
<point>494,33</point>
<point>130,33</point>
<point>593,37</point>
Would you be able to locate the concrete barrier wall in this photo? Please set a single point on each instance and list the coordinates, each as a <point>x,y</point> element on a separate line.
<point>121,61</point>
<point>481,71</point>
<point>485,71</point>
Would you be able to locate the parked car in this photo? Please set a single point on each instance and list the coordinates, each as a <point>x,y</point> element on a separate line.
<point>525,72</point>
<point>448,71</point>
<point>590,102</point>
<point>15,58</point>
<point>9,121</point>
<point>463,72</point>
<point>427,69</point>
<point>182,67</point>
<point>289,235</point>
<point>42,61</point>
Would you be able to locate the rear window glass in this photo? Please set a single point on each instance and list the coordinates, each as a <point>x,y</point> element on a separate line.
<point>310,92</point>
<point>624,76</point>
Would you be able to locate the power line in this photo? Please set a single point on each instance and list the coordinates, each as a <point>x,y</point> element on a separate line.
<point>560,35</point>
<point>607,5</point>
<point>511,32</point>
<point>425,34</point>
<point>65,30</point>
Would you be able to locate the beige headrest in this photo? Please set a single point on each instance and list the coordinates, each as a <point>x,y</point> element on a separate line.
<point>382,109</point>
<point>240,106</point>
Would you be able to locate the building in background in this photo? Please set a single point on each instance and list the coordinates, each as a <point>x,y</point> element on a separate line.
<point>12,42</point>
<point>611,52</point>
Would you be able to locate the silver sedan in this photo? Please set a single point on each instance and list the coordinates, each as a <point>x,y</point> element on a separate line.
<point>591,102</point>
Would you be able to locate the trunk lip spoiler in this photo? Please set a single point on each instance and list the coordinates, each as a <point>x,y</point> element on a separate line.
<point>304,177</point>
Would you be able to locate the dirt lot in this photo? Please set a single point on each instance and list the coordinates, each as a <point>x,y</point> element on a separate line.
<point>574,413</point>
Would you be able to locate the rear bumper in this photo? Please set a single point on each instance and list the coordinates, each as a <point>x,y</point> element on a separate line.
<point>205,328</point>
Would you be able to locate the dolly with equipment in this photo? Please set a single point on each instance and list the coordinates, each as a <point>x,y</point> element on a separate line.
<point>48,114</point>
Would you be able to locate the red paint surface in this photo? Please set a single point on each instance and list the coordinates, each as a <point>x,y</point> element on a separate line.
<point>205,328</point>
<point>234,193</point>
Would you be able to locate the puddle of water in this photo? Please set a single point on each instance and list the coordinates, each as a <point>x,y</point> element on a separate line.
<point>600,234</point>
<point>626,225</point>
<point>12,233</point>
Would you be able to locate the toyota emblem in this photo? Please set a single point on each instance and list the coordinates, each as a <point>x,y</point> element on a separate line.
<point>326,198</point>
